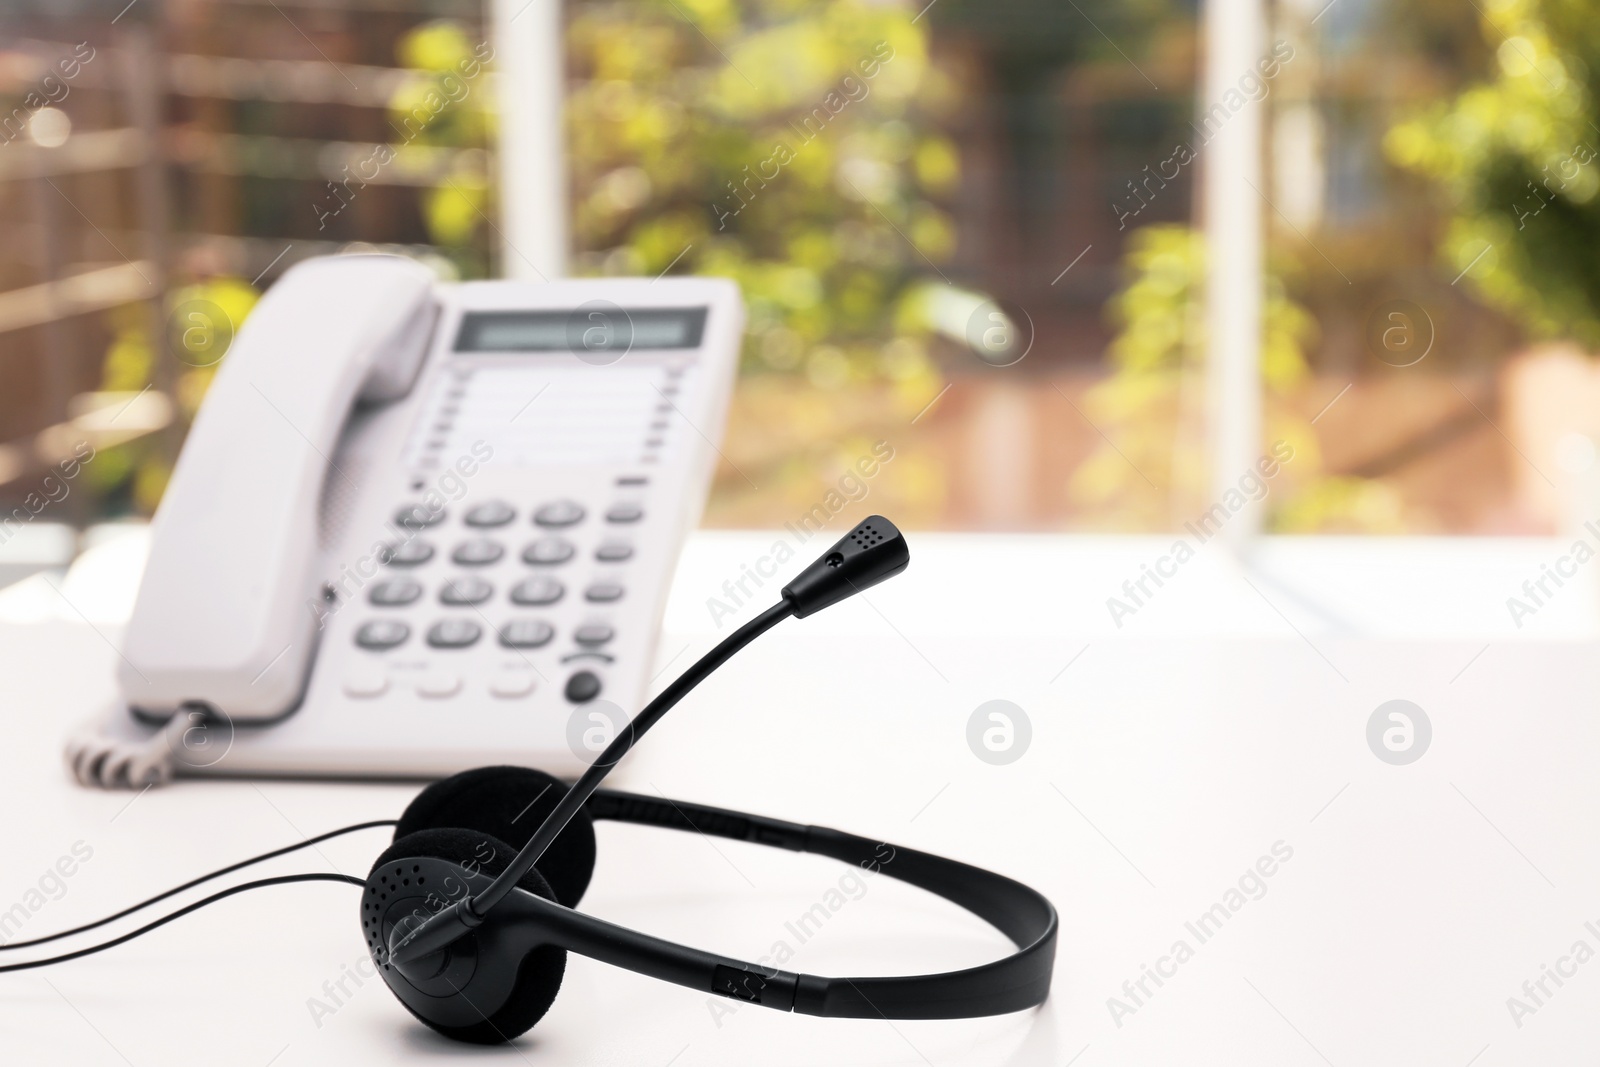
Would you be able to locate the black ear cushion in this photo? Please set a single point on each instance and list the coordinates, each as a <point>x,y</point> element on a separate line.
<point>538,979</point>
<point>510,803</point>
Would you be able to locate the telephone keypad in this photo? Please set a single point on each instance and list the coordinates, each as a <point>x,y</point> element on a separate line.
<point>509,684</point>
<point>395,592</point>
<point>548,551</point>
<point>559,513</point>
<point>465,591</point>
<point>478,553</point>
<point>526,633</point>
<point>491,513</point>
<point>365,684</point>
<point>411,553</point>
<point>419,516</point>
<point>439,684</point>
<point>537,591</point>
<point>454,633</point>
<point>582,687</point>
<point>593,633</point>
<point>380,634</point>
<point>603,592</point>
<point>485,556</point>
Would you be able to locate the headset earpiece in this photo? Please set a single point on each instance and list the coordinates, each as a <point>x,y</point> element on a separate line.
<point>477,990</point>
<point>509,803</point>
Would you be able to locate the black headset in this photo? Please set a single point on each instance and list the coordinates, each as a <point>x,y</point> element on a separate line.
<point>473,938</point>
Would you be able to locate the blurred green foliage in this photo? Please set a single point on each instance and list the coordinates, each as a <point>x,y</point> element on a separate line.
<point>433,107</point>
<point>201,319</point>
<point>1153,404</point>
<point>445,103</point>
<point>1516,159</point>
<point>790,146</point>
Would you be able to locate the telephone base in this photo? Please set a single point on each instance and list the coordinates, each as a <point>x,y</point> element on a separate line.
<point>123,752</point>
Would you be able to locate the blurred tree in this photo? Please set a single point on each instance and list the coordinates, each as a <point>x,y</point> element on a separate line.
<point>795,148</point>
<point>444,104</point>
<point>1516,161</point>
<point>202,318</point>
<point>788,146</point>
<point>429,109</point>
<point>1151,406</point>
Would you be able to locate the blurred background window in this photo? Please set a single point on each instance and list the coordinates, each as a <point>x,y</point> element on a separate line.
<point>977,235</point>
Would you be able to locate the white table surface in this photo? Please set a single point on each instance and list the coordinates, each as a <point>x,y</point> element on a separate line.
<point>1418,898</point>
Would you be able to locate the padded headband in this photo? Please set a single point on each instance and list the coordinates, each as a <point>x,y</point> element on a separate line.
<point>1021,980</point>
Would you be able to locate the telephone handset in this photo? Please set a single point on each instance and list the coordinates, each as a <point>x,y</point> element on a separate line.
<point>417,527</point>
<point>221,614</point>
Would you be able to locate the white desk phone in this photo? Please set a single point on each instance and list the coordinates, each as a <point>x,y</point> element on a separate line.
<point>405,504</point>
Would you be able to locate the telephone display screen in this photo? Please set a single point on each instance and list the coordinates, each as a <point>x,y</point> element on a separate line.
<point>600,327</point>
